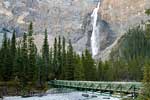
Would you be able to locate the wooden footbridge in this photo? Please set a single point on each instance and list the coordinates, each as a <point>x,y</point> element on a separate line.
<point>120,87</point>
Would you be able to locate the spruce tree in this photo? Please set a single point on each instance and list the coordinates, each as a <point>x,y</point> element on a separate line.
<point>146,78</point>
<point>1,65</point>
<point>51,74</point>
<point>24,69</point>
<point>31,54</point>
<point>45,54</point>
<point>100,71</point>
<point>89,67</point>
<point>13,50</point>
<point>59,54</point>
<point>9,63</point>
<point>13,45</point>
<point>6,57</point>
<point>70,67</point>
<point>146,81</point>
<point>40,71</point>
<point>55,60</point>
<point>18,63</point>
<point>78,68</point>
<point>63,69</point>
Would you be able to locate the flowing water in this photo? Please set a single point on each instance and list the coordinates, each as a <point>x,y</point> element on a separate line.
<point>66,96</point>
<point>95,33</point>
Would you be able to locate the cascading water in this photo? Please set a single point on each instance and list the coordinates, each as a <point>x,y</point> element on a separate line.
<point>95,33</point>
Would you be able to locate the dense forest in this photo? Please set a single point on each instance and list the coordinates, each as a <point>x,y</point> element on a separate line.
<point>20,59</point>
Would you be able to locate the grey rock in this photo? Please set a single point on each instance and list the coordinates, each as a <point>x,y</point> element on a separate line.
<point>72,19</point>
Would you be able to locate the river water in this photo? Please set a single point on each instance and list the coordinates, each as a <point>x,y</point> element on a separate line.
<point>74,95</point>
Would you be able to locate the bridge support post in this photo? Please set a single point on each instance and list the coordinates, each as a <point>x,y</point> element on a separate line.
<point>134,92</point>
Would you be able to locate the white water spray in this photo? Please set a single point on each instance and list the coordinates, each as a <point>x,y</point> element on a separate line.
<point>95,32</point>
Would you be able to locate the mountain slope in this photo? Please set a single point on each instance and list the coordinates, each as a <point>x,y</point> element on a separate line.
<point>72,19</point>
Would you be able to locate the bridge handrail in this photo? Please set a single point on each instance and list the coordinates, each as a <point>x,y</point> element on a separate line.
<point>112,86</point>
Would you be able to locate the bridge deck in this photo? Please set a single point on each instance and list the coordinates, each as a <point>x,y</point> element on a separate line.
<point>124,87</point>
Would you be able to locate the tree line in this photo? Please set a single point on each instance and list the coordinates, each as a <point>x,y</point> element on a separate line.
<point>19,60</point>
<point>134,56</point>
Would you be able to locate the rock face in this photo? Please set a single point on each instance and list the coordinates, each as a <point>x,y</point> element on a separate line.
<point>121,15</point>
<point>72,19</point>
<point>60,17</point>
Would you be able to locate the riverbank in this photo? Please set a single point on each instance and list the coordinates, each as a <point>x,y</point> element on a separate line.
<point>12,88</point>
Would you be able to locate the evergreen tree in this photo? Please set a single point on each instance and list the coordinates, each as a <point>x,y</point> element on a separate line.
<point>89,67</point>
<point>70,67</point>
<point>147,12</point>
<point>63,69</point>
<point>18,63</point>
<point>146,78</point>
<point>13,50</point>
<point>40,71</point>
<point>31,54</point>
<point>6,65</point>
<point>51,74</point>
<point>59,58</point>
<point>13,45</point>
<point>1,65</point>
<point>24,60</point>
<point>100,71</point>
<point>78,68</point>
<point>55,60</point>
<point>45,55</point>
<point>9,63</point>
<point>146,82</point>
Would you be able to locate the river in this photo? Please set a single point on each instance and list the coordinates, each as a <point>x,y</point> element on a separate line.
<point>72,95</point>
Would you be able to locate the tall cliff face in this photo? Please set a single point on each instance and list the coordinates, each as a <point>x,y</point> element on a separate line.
<point>72,19</point>
<point>121,15</point>
<point>60,17</point>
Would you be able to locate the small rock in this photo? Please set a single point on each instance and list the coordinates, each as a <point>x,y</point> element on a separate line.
<point>85,95</point>
<point>94,96</point>
<point>106,97</point>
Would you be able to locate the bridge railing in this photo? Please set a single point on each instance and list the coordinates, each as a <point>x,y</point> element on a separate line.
<point>126,87</point>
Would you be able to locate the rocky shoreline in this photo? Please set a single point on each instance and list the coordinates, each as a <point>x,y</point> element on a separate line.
<point>17,91</point>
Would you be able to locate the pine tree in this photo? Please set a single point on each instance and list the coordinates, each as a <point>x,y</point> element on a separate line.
<point>51,74</point>
<point>59,54</point>
<point>55,60</point>
<point>63,69</point>
<point>13,45</point>
<point>1,64</point>
<point>31,54</point>
<point>70,67</point>
<point>23,60</point>
<point>6,65</point>
<point>4,48</point>
<point>40,71</point>
<point>146,81</point>
<point>147,12</point>
<point>89,67</point>
<point>45,54</point>
<point>100,71</point>
<point>13,49</point>
<point>17,70</point>
<point>9,63</point>
<point>78,68</point>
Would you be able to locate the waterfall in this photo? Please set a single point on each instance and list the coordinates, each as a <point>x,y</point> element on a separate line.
<point>95,33</point>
